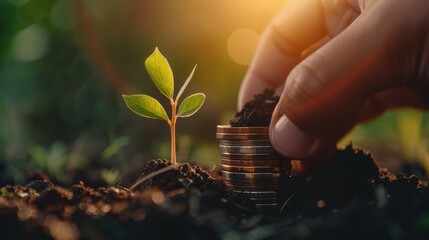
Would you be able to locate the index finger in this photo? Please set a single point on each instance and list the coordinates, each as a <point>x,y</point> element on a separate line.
<point>297,27</point>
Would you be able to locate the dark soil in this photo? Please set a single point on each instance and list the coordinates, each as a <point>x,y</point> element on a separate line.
<point>185,176</point>
<point>350,198</point>
<point>258,111</point>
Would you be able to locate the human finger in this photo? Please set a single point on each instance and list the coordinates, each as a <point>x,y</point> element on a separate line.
<point>324,93</point>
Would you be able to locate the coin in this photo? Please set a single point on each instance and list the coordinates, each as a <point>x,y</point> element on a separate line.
<point>237,163</point>
<point>251,168</point>
<point>252,142</point>
<point>250,156</point>
<point>239,130</point>
<point>257,182</point>
<point>246,149</point>
<point>251,188</point>
<point>247,176</point>
<point>234,136</point>
<point>255,169</point>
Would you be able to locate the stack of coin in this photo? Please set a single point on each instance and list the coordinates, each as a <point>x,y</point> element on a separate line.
<point>251,168</point>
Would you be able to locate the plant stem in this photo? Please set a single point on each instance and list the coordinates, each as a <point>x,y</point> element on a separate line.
<point>173,132</point>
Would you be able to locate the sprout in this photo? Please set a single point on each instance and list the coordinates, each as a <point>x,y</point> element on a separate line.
<point>147,106</point>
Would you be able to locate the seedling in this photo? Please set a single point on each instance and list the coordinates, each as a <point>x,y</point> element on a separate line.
<point>162,76</point>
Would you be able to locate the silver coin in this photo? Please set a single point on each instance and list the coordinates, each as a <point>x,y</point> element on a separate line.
<point>245,176</point>
<point>253,183</point>
<point>257,182</point>
<point>256,142</point>
<point>250,156</point>
<point>255,169</point>
<point>252,188</point>
<point>239,181</point>
<point>256,163</point>
<point>246,149</point>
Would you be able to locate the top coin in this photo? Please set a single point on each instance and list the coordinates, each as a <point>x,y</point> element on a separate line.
<point>241,136</point>
<point>238,130</point>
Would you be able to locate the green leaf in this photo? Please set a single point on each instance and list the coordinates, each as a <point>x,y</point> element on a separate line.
<point>160,72</point>
<point>191,105</point>
<point>146,106</point>
<point>182,89</point>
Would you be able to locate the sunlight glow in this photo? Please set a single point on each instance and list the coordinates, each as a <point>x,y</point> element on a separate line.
<point>242,44</point>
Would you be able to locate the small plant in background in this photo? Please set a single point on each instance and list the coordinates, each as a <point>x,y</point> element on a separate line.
<point>110,176</point>
<point>162,76</point>
<point>57,159</point>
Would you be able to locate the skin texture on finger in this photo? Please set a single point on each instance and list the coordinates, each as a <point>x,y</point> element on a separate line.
<point>325,93</point>
<point>338,15</point>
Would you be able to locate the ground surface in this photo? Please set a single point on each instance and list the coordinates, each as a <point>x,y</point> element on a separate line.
<point>349,199</point>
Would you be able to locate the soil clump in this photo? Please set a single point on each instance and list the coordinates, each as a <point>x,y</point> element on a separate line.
<point>185,175</point>
<point>258,111</point>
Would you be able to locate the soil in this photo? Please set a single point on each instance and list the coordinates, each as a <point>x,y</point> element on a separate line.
<point>258,111</point>
<point>185,176</point>
<point>350,198</point>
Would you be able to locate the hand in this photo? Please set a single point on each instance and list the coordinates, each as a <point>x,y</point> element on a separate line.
<point>337,63</point>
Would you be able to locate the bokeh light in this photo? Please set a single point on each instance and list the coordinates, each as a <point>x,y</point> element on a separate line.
<point>30,44</point>
<point>242,44</point>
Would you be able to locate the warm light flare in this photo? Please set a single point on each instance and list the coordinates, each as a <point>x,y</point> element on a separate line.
<point>242,44</point>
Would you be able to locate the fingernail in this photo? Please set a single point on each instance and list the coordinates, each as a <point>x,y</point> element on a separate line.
<point>289,140</point>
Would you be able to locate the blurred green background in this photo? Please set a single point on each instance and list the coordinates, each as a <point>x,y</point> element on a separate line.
<point>65,63</point>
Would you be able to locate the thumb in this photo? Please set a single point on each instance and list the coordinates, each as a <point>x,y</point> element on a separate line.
<point>324,94</point>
